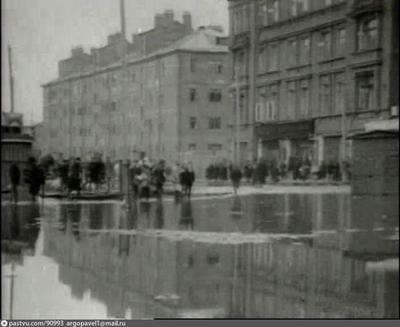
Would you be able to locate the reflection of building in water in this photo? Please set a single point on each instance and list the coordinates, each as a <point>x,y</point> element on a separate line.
<point>330,275</point>
<point>277,279</point>
<point>186,218</point>
<point>19,229</point>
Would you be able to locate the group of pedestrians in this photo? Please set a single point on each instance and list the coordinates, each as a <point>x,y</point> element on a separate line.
<point>147,178</point>
<point>33,177</point>
<point>76,176</point>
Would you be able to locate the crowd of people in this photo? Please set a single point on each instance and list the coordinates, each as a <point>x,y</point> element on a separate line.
<point>146,177</point>
<point>260,171</point>
<point>33,176</point>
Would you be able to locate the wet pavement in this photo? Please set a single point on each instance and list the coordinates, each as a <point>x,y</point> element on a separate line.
<point>253,256</point>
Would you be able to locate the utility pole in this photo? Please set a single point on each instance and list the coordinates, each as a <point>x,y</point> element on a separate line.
<point>122,13</point>
<point>237,125</point>
<point>11,79</point>
<point>125,80</point>
<point>11,276</point>
<point>158,81</point>
<point>343,130</point>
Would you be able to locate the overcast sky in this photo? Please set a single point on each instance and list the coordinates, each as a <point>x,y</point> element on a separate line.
<point>41,32</point>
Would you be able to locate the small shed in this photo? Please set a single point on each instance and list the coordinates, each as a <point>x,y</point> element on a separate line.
<point>375,166</point>
<point>15,146</point>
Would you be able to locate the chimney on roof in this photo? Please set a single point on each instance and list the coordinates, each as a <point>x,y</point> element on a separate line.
<point>187,20</point>
<point>77,51</point>
<point>169,16</point>
<point>122,14</point>
<point>115,38</point>
<point>158,20</point>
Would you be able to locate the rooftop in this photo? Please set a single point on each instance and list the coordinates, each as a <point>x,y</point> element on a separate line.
<point>204,39</point>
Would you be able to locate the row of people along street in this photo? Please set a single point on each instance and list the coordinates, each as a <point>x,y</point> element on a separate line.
<point>147,177</point>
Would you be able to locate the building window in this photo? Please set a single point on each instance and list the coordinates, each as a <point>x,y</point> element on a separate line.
<point>214,123</point>
<point>340,46</point>
<point>218,67</point>
<point>273,58</point>
<point>215,96</point>
<point>325,45</point>
<point>192,147</point>
<point>193,64</point>
<point>340,95</point>
<point>214,147</point>
<point>193,123</point>
<point>133,77</point>
<point>274,100</point>
<point>141,113</point>
<point>240,64</point>
<point>192,94</point>
<point>292,53</point>
<point>113,106</point>
<point>304,98</point>
<point>273,11</point>
<point>291,99</point>
<point>304,6</point>
<point>263,12</point>
<point>367,37</point>
<point>293,8</point>
<point>365,91</point>
<point>325,95</point>
<point>305,50</point>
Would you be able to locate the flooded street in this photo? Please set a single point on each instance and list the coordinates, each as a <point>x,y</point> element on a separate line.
<point>269,256</point>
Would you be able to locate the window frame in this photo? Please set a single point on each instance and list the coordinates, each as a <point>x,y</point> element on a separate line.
<point>364,40</point>
<point>193,123</point>
<point>371,74</point>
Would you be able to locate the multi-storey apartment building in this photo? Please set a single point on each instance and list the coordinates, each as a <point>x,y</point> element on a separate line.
<point>165,96</point>
<point>311,72</point>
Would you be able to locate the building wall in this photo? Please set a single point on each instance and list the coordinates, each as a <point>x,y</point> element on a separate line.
<point>115,111</point>
<point>204,103</point>
<point>319,78</point>
<point>143,105</point>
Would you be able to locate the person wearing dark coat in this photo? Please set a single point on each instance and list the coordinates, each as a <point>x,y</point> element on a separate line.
<point>34,177</point>
<point>187,178</point>
<point>159,177</point>
<point>63,174</point>
<point>74,178</point>
<point>261,172</point>
<point>15,176</point>
<point>236,176</point>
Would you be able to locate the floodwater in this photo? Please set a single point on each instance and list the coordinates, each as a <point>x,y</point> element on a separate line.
<point>254,256</point>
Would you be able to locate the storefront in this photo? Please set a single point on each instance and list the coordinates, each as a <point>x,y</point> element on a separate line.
<point>280,141</point>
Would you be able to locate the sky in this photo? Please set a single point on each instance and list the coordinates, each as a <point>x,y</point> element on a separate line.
<point>42,32</point>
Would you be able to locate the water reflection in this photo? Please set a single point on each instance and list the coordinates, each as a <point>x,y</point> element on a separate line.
<point>341,266</point>
<point>186,221</point>
<point>19,228</point>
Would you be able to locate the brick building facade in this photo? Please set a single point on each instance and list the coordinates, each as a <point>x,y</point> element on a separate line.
<point>312,72</point>
<point>164,94</point>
